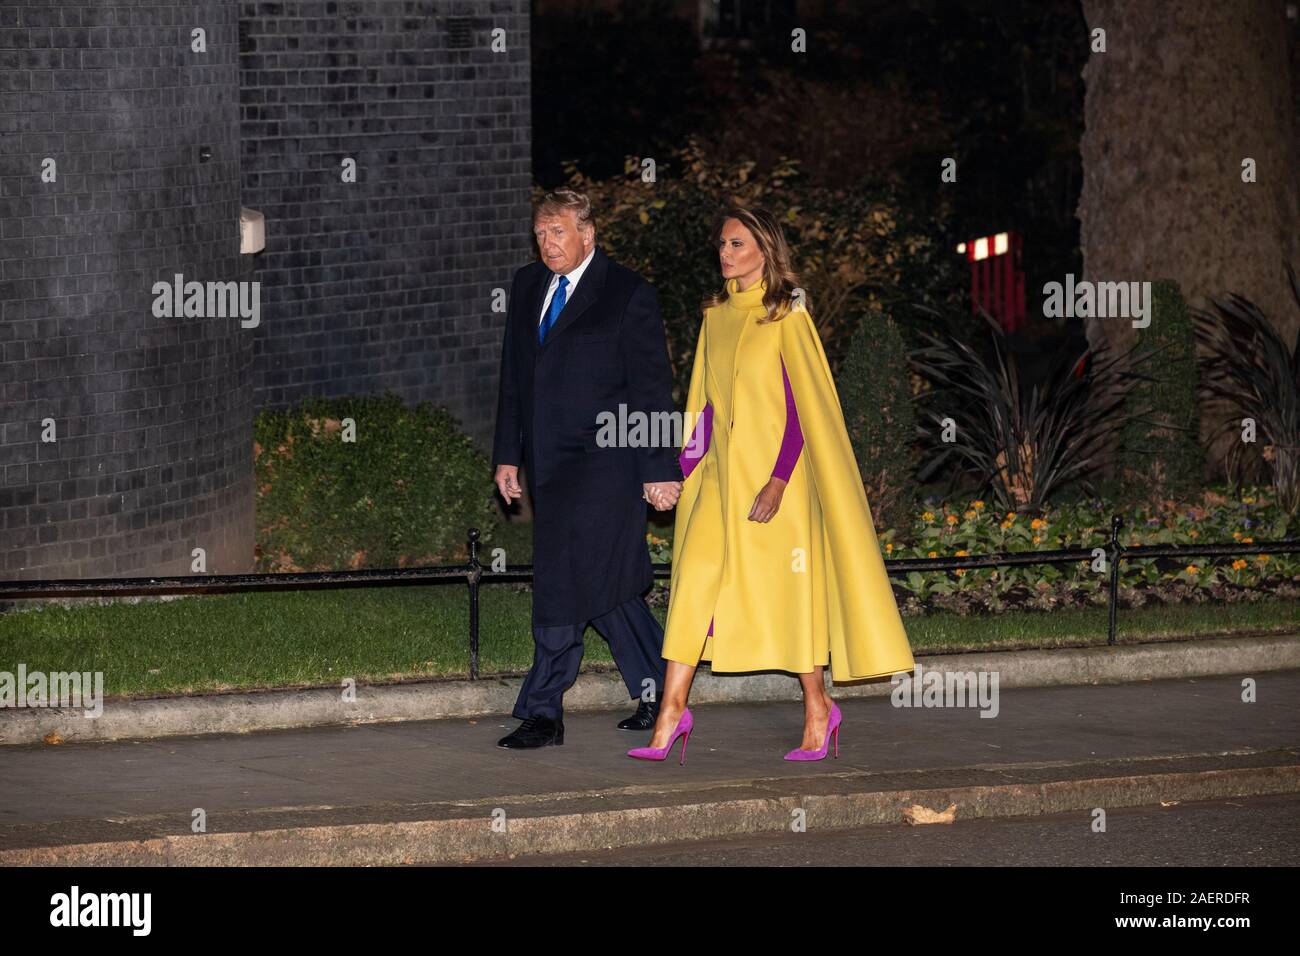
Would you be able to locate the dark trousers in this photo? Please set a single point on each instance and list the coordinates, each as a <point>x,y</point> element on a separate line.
<point>635,639</point>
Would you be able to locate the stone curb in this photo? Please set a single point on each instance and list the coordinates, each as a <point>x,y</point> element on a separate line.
<point>429,700</point>
<point>467,839</point>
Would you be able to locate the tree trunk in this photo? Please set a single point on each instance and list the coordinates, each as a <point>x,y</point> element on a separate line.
<point>1183,95</point>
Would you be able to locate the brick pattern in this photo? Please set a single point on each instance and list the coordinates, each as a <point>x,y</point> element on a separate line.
<point>154,415</point>
<point>385,282</point>
<point>381,283</point>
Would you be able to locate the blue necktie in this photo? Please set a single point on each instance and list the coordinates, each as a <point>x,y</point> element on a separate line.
<point>553,313</point>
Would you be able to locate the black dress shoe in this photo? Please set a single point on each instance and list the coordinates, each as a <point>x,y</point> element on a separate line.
<point>536,731</point>
<point>643,719</point>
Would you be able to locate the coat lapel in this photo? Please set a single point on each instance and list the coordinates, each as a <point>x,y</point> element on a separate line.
<point>535,298</point>
<point>589,289</point>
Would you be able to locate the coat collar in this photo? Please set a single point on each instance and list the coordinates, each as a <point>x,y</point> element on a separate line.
<point>751,298</point>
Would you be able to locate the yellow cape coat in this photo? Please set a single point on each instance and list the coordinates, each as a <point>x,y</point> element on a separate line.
<point>810,584</point>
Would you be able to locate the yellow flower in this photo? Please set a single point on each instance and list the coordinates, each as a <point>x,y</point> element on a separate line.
<point>1037,538</point>
<point>970,513</point>
<point>932,555</point>
<point>1005,525</point>
<point>1261,558</point>
<point>962,553</point>
<point>1038,523</point>
<point>889,547</point>
<point>1247,540</point>
<point>960,571</point>
<point>1236,534</point>
<point>1011,516</point>
<point>1238,564</point>
<point>977,504</point>
<point>1193,533</point>
<point>1192,569</point>
<point>1249,501</point>
<point>927,516</point>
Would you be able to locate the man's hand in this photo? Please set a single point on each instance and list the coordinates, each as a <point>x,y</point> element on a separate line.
<point>662,494</point>
<point>767,501</point>
<point>507,479</point>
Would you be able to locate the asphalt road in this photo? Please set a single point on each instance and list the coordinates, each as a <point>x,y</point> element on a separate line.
<point>1255,831</point>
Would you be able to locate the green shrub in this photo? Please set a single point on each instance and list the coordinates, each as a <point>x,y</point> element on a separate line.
<point>1159,453</point>
<point>876,395</point>
<point>1251,374</point>
<point>1023,443</point>
<point>401,494</point>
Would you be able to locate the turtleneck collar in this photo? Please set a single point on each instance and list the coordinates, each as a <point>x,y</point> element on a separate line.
<point>751,298</point>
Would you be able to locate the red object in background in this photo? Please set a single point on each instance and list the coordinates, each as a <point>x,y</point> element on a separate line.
<point>997,277</point>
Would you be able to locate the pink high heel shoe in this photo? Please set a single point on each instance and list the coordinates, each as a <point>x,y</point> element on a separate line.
<point>832,729</point>
<point>684,724</point>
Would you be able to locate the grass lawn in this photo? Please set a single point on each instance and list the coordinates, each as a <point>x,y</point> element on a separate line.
<point>313,638</point>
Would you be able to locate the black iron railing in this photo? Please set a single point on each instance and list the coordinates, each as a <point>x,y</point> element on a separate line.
<point>475,574</point>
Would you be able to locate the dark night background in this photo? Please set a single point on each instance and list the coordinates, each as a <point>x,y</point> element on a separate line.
<point>893,88</point>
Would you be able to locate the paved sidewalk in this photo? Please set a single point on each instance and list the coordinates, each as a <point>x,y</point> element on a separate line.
<point>601,688</point>
<point>427,791</point>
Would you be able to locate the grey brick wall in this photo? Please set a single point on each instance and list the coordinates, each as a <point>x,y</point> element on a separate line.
<point>382,283</point>
<point>385,282</point>
<point>154,415</point>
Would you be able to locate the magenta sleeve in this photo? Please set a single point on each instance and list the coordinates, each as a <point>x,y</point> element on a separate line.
<point>792,441</point>
<point>698,445</point>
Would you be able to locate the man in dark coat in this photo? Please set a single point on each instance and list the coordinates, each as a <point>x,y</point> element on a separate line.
<point>583,337</point>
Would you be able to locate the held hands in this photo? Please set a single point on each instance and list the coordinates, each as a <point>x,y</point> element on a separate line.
<point>662,494</point>
<point>767,501</point>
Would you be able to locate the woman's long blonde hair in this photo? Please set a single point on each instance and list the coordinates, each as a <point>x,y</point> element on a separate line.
<point>782,282</point>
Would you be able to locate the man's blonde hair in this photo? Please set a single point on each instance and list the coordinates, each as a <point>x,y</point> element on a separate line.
<point>561,200</point>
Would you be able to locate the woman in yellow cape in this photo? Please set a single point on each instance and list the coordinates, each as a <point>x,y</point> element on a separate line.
<point>787,575</point>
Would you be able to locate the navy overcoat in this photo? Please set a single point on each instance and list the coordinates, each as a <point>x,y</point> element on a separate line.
<point>607,349</point>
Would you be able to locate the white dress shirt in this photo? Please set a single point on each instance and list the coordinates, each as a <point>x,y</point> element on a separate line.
<point>573,278</point>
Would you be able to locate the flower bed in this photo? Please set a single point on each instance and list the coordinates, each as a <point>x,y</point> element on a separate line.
<point>944,530</point>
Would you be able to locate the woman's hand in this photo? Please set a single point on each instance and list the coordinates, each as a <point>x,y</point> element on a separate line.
<point>768,500</point>
<point>662,494</point>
